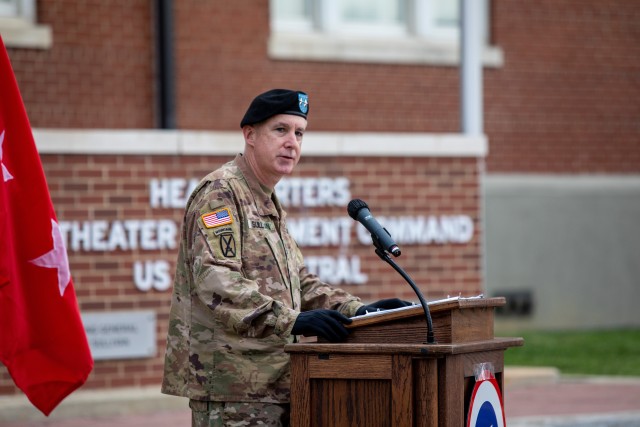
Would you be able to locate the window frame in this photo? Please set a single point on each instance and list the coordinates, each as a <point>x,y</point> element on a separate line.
<point>323,37</point>
<point>21,30</point>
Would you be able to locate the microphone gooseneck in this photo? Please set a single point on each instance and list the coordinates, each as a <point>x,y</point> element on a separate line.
<point>384,244</point>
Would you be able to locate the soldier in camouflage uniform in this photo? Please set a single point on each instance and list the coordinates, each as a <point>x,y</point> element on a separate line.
<point>241,290</point>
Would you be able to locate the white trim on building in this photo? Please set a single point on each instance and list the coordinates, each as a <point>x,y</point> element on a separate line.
<point>162,142</point>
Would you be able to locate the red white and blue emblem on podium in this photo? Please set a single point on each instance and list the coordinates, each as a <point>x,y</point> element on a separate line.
<point>486,408</point>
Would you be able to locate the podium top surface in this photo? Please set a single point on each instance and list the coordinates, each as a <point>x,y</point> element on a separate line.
<point>501,343</point>
<point>447,304</point>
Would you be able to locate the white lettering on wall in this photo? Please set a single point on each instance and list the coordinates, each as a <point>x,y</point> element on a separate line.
<point>151,275</point>
<point>313,192</point>
<point>316,231</point>
<point>146,234</point>
<point>424,229</point>
<point>309,231</point>
<point>336,271</point>
<point>170,192</point>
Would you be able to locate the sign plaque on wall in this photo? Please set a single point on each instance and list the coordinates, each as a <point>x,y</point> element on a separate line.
<point>121,334</point>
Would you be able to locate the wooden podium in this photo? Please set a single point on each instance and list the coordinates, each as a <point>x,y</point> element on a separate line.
<point>386,374</point>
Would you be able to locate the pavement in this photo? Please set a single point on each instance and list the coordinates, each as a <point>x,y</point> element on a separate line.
<point>533,397</point>
<point>540,397</point>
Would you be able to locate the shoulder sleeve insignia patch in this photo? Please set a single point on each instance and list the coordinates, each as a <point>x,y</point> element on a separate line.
<point>228,246</point>
<point>217,218</point>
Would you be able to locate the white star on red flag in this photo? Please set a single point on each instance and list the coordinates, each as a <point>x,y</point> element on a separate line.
<point>5,172</point>
<point>56,258</point>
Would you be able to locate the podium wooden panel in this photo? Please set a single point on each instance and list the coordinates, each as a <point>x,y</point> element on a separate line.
<point>386,374</point>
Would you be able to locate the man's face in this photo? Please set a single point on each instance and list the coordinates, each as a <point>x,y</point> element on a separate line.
<point>276,145</point>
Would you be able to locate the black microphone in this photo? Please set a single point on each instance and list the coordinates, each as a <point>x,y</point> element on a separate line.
<point>359,211</point>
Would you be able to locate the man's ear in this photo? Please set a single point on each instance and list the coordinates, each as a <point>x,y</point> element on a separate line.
<point>249,133</point>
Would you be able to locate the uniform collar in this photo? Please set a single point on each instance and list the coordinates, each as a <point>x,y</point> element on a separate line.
<point>262,197</point>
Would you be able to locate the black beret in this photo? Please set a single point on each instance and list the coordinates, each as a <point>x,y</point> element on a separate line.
<point>276,101</point>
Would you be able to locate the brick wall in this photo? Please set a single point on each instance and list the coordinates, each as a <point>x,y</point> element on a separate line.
<point>99,72</point>
<point>565,100</point>
<point>222,62</point>
<point>116,187</point>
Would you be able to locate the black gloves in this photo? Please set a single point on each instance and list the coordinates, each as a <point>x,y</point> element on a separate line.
<point>383,304</point>
<point>327,324</point>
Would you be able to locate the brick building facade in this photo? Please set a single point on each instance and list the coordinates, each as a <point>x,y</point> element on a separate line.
<point>562,100</point>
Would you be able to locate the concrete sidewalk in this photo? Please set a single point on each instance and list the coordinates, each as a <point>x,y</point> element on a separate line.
<point>533,398</point>
<point>123,407</point>
<point>542,398</point>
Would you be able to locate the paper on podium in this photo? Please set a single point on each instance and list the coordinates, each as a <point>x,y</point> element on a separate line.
<point>416,309</point>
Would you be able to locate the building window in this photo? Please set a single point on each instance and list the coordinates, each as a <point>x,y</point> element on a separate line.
<point>396,31</point>
<point>8,8</point>
<point>18,25</point>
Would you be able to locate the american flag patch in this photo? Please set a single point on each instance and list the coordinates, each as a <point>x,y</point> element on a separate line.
<point>217,218</point>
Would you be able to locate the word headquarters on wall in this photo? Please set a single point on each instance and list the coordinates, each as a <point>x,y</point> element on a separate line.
<point>309,231</point>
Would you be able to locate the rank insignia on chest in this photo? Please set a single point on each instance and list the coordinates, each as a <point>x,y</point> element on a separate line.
<point>217,218</point>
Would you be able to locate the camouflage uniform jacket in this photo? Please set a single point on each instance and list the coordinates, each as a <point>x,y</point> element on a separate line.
<point>240,283</point>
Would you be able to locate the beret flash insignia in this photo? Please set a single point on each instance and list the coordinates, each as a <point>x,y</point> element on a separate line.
<point>303,102</point>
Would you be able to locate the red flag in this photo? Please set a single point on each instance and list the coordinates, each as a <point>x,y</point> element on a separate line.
<point>42,340</point>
